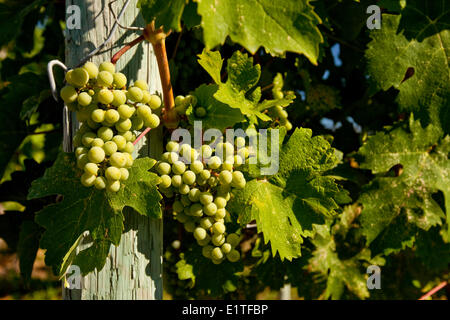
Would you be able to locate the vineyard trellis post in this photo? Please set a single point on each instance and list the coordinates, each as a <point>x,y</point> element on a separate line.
<point>133,270</point>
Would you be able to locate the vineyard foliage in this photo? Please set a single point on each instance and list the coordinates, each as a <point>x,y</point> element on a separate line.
<point>363,173</point>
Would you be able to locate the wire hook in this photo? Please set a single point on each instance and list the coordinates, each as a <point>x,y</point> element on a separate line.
<point>51,77</point>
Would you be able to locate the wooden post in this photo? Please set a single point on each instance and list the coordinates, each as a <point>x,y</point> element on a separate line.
<point>133,270</point>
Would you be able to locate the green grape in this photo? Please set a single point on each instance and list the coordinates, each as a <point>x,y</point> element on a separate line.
<point>206,222</point>
<point>113,186</point>
<point>110,147</point>
<point>112,173</point>
<point>100,183</point>
<point>216,253</point>
<point>240,142</point>
<point>144,111</point>
<point>226,248</point>
<point>238,180</point>
<point>210,209</point>
<point>238,161</point>
<point>225,177</point>
<point>194,195</point>
<point>98,115</point>
<point>105,79</point>
<point>182,217</point>
<point>105,133</point>
<point>125,111</point>
<point>120,142</point>
<point>220,213</point>
<point>96,155</point>
<point>178,167</point>
<point>233,256</point>
<point>154,102</point>
<point>164,168</point>
<point>218,228</point>
<point>172,146</point>
<point>119,98</point>
<point>184,189</point>
<point>152,121</point>
<point>135,94</point>
<point>141,84</point>
<point>179,100</point>
<point>136,123</point>
<point>146,97</point>
<point>206,152</point>
<point>213,181</point>
<point>112,116</point>
<point>105,96</point>
<point>177,181</point>
<point>129,147</point>
<point>129,160</point>
<point>87,179</point>
<point>288,125</point>
<point>205,241</point>
<point>206,251</point>
<point>166,181</point>
<point>119,80</point>
<point>79,77</point>
<point>124,174</point>
<point>189,226</point>
<point>200,233</point>
<point>107,66</point>
<point>172,157</point>
<point>220,202</point>
<point>177,205</point>
<point>205,174</point>
<point>123,125</point>
<point>206,198</point>
<point>129,136</point>
<point>185,200</point>
<point>84,99</point>
<point>69,94</point>
<point>200,112</point>
<point>196,166</point>
<point>91,69</point>
<point>88,138</point>
<point>228,164</point>
<point>189,177</point>
<point>80,151</point>
<point>118,160</point>
<point>214,162</point>
<point>190,99</point>
<point>82,160</point>
<point>233,239</point>
<point>196,210</point>
<point>68,77</point>
<point>97,142</point>
<point>91,168</point>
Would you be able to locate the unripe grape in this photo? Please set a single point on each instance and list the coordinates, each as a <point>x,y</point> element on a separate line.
<point>79,77</point>
<point>118,160</point>
<point>112,116</point>
<point>189,177</point>
<point>154,102</point>
<point>177,205</point>
<point>206,198</point>
<point>123,125</point>
<point>220,214</point>
<point>91,69</point>
<point>129,147</point>
<point>84,99</point>
<point>96,155</point>
<point>112,173</point>
<point>226,248</point>
<point>107,66</point>
<point>80,150</point>
<point>206,152</point>
<point>213,181</point>
<point>172,146</point>
<point>82,160</point>
<point>153,121</point>
<point>176,244</point>
<point>189,226</point>
<point>225,177</point>
<point>110,147</point>
<point>214,162</point>
<point>177,181</point>
<point>185,200</point>
<point>136,123</point>
<point>210,209</point>
<point>184,189</point>
<point>205,241</point>
<point>240,142</point>
<point>105,96</point>
<point>172,157</point>
<point>113,186</point>
<point>288,125</point>
<point>146,97</point>
<point>141,84</point>
<point>69,94</point>
<point>104,79</point>
<point>88,138</point>
<point>129,136</point>
<point>163,168</point>
<point>233,256</point>
<point>228,164</point>
<point>196,210</point>
<point>206,251</point>
<point>216,253</point>
<point>135,94</point>
<point>91,168</point>
<point>196,166</point>
<point>200,112</point>
<point>119,98</point>
<point>68,77</point>
<point>166,181</point>
<point>194,195</point>
<point>119,80</point>
<point>105,133</point>
<point>178,167</point>
<point>215,261</point>
<point>100,183</point>
<point>88,179</point>
<point>238,180</point>
<point>238,161</point>
<point>179,100</point>
<point>129,160</point>
<point>182,217</point>
<point>98,115</point>
<point>220,202</point>
<point>120,142</point>
<point>205,174</point>
<point>206,222</point>
<point>124,174</point>
<point>200,233</point>
<point>125,111</point>
<point>143,111</point>
<point>218,228</point>
<point>233,239</point>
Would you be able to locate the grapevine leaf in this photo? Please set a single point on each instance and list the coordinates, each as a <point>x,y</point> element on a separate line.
<point>411,55</point>
<point>165,13</point>
<point>87,209</point>
<point>288,25</point>
<point>423,157</point>
<point>218,115</point>
<point>288,204</point>
<point>28,246</point>
<point>212,62</point>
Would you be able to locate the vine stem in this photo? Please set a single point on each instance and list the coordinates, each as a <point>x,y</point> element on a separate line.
<point>434,290</point>
<point>127,47</point>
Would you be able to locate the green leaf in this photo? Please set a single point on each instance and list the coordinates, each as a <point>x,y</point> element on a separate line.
<point>212,62</point>
<point>288,204</point>
<point>422,155</point>
<point>219,115</point>
<point>166,13</point>
<point>87,209</point>
<point>411,55</point>
<point>27,247</point>
<point>284,25</point>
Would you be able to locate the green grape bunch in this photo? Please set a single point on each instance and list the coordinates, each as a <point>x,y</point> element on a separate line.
<point>110,116</point>
<point>278,112</point>
<point>201,182</point>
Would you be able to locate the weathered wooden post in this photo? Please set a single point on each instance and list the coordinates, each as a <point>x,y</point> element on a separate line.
<point>133,270</point>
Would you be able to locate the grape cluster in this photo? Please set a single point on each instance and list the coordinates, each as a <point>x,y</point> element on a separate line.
<point>182,103</point>
<point>278,112</point>
<point>109,114</point>
<point>201,183</point>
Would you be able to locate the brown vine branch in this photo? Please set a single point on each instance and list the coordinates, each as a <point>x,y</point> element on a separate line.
<point>127,47</point>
